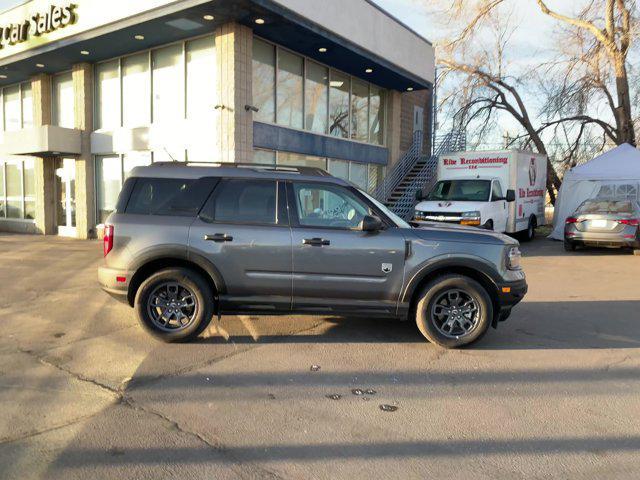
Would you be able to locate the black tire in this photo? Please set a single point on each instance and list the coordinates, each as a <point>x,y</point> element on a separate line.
<point>190,284</point>
<point>530,233</point>
<point>430,298</point>
<point>569,246</point>
<point>489,225</point>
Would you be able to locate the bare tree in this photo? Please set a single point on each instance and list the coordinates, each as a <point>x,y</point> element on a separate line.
<point>590,68</point>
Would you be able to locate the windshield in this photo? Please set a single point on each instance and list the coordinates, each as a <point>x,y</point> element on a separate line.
<point>395,218</point>
<point>605,206</point>
<point>461,190</point>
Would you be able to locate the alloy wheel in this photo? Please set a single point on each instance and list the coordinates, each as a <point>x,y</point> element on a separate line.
<point>455,313</point>
<point>172,306</point>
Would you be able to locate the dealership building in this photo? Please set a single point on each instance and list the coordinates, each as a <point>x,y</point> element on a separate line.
<point>91,89</point>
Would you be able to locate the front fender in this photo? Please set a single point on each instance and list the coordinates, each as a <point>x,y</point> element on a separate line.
<point>482,267</point>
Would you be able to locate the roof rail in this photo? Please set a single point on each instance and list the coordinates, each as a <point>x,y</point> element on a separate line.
<point>302,170</point>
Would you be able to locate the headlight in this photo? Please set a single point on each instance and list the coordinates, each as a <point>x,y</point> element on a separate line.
<point>470,218</point>
<point>513,258</point>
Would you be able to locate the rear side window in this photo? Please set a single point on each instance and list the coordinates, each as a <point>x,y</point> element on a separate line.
<point>169,196</point>
<point>243,201</point>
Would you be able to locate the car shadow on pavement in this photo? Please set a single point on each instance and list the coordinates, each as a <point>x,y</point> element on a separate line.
<point>532,325</point>
<point>548,247</point>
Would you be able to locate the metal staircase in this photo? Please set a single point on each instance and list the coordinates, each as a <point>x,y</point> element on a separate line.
<point>415,171</point>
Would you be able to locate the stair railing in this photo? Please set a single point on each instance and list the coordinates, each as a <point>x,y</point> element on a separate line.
<point>451,142</point>
<point>400,170</point>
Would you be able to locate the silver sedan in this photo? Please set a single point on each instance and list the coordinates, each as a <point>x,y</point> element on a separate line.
<point>604,223</point>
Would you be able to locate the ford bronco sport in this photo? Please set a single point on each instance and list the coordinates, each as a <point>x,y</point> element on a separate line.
<point>187,242</point>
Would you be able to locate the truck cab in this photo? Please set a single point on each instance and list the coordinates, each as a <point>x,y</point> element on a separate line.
<point>479,201</point>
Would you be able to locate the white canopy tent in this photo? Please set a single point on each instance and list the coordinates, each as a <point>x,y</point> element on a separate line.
<point>613,175</point>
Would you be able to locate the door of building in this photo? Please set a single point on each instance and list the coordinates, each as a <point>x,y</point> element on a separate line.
<point>418,119</point>
<point>66,196</point>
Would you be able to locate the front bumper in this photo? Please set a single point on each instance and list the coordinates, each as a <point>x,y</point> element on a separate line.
<point>511,293</point>
<point>115,282</point>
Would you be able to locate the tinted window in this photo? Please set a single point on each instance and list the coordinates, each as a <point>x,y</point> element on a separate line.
<point>328,206</point>
<point>496,192</point>
<point>167,196</point>
<point>243,201</point>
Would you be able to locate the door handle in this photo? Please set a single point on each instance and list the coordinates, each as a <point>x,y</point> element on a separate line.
<point>316,242</point>
<point>219,237</point>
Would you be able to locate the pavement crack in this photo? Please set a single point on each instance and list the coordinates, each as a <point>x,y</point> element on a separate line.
<point>43,360</point>
<point>243,468</point>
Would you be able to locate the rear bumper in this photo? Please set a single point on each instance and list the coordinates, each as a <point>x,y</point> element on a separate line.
<point>602,239</point>
<point>115,282</point>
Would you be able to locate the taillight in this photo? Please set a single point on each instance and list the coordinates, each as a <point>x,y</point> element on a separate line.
<point>629,221</point>
<point>570,220</point>
<point>107,239</point>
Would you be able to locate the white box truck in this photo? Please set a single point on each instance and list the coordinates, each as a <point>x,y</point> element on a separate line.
<point>502,191</point>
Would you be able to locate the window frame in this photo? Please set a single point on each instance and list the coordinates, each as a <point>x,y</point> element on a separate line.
<point>283,215</point>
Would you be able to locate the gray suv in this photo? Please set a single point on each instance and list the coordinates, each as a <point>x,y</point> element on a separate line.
<point>187,242</point>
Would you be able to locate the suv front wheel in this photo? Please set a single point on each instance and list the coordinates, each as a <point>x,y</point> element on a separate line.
<point>453,310</point>
<point>174,304</point>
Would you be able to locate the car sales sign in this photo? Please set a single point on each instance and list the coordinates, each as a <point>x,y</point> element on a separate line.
<point>56,17</point>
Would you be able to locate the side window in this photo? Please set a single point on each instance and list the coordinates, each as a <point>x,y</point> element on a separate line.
<point>164,196</point>
<point>496,192</point>
<point>334,206</point>
<point>243,201</point>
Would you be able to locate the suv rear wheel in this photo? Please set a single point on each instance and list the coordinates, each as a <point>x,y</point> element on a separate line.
<point>174,304</point>
<point>453,310</point>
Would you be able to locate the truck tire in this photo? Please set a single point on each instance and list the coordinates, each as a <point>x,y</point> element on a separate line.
<point>174,304</point>
<point>530,233</point>
<point>453,310</point>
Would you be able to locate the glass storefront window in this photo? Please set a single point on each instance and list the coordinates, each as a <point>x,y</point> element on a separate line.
<point>301,160</point>
<point>168,100</point>
<point>29,189</point>
<point>264,81</point>
<point>316,96</point>
<point>376,175</point>
<point>136,90</point>
<point>290,89</point>
<point>359,110</point>
<point>2,197</point>
<point>358,174</point>
<point>63,101</point>
<point>333,102</point>
<point>376,115</point>
<point>27,106</point>
<point>135,159</point>
<point>14,190</point>
<point>109,183</point>
<point>12,114</point>
<point>264,157</point>
<point>339,105</point>
<point>108,95</point>
<point>339,168</point>
<point>201,72</point>
<point>169,155</point>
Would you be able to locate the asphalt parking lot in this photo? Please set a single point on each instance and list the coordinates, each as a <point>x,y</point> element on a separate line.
<point>85,393</point>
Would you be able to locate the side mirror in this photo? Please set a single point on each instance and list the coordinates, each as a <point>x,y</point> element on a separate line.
<point>511,196</point>
<point>419,195</point>
<point>371,223</point>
